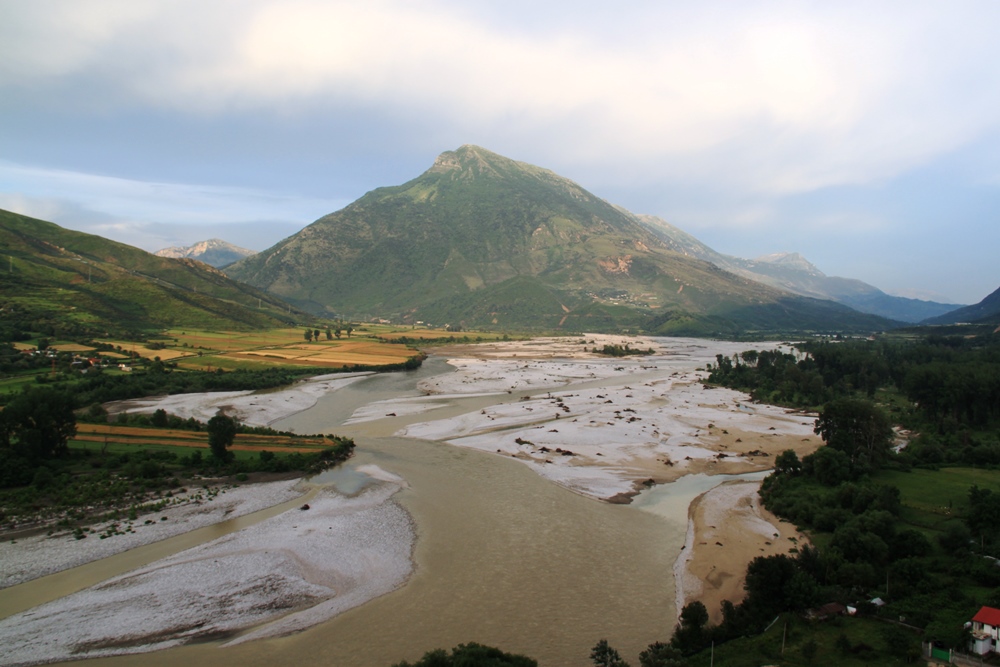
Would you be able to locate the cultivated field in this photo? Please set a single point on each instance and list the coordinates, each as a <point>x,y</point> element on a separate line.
<point>130,435</point>
<point>287,347</point>
<point>139,350</point>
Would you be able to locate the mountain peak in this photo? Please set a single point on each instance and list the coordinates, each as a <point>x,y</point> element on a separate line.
<point>484,240</point>
<point>214,252</point>
<point>469,159</point>
<point>790,260</point>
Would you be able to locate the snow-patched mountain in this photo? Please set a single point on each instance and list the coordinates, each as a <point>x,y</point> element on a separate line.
<point>214,252</point>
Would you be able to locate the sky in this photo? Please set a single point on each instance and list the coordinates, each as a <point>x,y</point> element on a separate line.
<point>863,135</point>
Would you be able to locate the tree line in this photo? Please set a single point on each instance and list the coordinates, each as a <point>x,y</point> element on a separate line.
<point>945,388</point>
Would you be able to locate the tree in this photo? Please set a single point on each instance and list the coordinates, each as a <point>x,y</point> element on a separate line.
<point>689,635</point>
<point>659,654</point>
<point>775,584</point>
<point>38,423</point>
<point>694,615</point>
<point>159,418</point>
<point>955,538</point>
<point>859,429</point>
<point>603,655</point>
<point>787,463</point>
<point>329,334</point>
<point>221,433</point>
<point>471,655</point>
<point>336,332</point>
<point>316,335</point>
<point>308,335</point>
<point>350,330</point>
<point>897,640</point>
<point>828,466</point>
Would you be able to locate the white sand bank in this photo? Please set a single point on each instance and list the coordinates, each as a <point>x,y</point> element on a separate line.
<point>40,555</point>
<point>649,419</point>
<point>296,569</point>
<point>255,408</point>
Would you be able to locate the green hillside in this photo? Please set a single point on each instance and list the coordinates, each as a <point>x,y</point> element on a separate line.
<point>986,311</point>
<point>93,284</point>
<point>482,240</point>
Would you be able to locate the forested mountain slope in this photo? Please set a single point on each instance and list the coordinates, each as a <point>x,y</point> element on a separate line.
<point>481,240</point>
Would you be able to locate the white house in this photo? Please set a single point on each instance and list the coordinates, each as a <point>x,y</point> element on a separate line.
<point>985,631</point>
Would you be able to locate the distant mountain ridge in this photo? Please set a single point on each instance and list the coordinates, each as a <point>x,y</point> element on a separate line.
<point>91,283</point>
<point>214,252</point>
<point>794,273</point>
<point>986,311</point>
<point>482,240</point>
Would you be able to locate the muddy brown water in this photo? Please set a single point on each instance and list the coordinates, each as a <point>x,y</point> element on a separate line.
<point>503,557</point>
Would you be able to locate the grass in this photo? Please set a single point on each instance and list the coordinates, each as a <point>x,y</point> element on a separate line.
<point>211,362</point>
<point>786,645</point>
<point>933,498</point>
<point>71,347</point>
<point>118,448</point>
<point>141,437</point>
<point>13,385</point>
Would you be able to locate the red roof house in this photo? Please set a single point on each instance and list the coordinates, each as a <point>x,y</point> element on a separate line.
<point>985,630</point>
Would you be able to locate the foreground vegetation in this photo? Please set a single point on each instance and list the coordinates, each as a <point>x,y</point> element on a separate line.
<point>56,473</point>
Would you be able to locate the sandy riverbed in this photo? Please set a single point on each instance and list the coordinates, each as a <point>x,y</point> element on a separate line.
<point>606,427</point>
<point>598,426</point>
<point>727,528</point>
<point>663,425</point>
<point>28,558</point>
<point>279,576</point>
<point>254,408</point>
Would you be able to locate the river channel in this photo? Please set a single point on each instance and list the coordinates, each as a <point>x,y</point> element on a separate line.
<point>502,556</point>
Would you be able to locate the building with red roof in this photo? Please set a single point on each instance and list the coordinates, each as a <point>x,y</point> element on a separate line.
<point>985,631</point>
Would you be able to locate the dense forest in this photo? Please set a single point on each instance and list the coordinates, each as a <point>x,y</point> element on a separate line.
<point>946,389</point>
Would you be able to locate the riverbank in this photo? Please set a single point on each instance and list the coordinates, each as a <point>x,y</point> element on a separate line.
<point>279,576</point>
<point>32,557</point>
<point>253,408</point>
<point>727,528</point>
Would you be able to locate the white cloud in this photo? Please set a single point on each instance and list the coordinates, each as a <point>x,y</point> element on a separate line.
<point>152,215</point>
<point>767,97</point>
<point>51,38</point>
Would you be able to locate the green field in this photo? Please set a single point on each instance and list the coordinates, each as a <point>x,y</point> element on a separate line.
<point>786,645</point>
<point>934,498</point>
